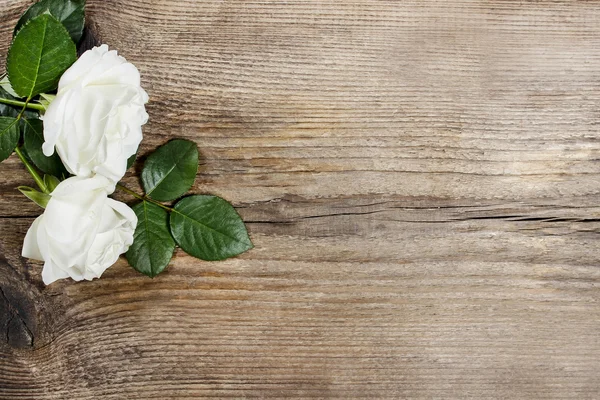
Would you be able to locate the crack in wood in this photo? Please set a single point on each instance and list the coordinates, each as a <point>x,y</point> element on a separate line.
<point>14,312</point>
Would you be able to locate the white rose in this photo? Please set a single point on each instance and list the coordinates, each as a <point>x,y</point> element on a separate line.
<point>95,121</point>
<point>82,232</point>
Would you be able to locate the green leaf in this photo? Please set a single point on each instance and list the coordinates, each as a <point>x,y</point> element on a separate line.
<point>71,13</point>
<point>5,109</point>
<point>9,136</point>
<point>5,84</point>
<point>45,100</point>
<point>39,55</point>
<point>170,171</point>
<point>32,142</point>
<point>153,245</point>
<point>13,111</point>
<point>48,98</point>
<point>51,182</point>
<point>209,228</point>
<point>131,161</point>
<point>39,198</point>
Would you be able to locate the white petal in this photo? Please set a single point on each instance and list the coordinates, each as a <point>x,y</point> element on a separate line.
<point>30,244</point>
<point>123,74</point>
<point>82,66</point>
<point>104,253</point>
<point>94,123</point>
<point>81,185</point>
<point>124,210</point>
<point>50,273</point>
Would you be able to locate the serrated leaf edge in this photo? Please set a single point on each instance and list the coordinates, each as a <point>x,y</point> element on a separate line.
<point>146,230</point>
<point>249,242</point>
<point>15,33</point>
<point>9,54</point>
<point>180,197</point>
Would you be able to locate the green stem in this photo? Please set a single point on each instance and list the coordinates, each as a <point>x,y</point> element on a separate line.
<point>24,104</point>
<point>36,177</point>
<point>32,171</point>
<point>140,197</point>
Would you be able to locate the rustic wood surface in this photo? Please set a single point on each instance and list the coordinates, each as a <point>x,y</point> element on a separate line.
<point>420,179</point>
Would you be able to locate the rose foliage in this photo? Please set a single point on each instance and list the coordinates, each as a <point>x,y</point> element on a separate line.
<point>76,124</point>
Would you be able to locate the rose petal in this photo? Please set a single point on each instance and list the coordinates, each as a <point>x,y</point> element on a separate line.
<point>30,244</point>
<point>94,123</point>
<point>51,273</point>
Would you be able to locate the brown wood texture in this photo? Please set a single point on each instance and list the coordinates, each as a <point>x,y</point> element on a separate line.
<point>420,179</point>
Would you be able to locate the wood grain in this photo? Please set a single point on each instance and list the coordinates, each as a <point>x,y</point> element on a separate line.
<point>421,182</point>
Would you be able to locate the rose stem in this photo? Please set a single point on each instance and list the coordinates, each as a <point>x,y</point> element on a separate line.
<point>36,177</point>
<point>32,171</point>
<point>26,104</point>
<point>143,198</point>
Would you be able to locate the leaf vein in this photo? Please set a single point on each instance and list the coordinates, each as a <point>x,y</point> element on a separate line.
<point>210,228</point>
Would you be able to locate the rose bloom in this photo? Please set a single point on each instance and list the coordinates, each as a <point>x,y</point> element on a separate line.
<point>95,121</point>
<point>82,232</point>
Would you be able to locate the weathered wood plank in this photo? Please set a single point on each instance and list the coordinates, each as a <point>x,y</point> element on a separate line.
<point>420,179</point>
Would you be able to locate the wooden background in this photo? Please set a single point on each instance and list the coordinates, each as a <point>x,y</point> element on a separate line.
<point>421,180</point>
